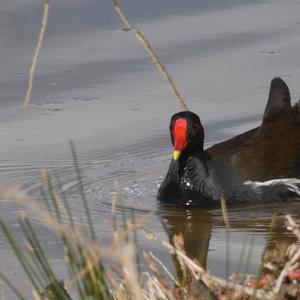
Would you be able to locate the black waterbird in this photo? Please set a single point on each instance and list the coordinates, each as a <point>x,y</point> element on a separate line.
<point>260,165</point>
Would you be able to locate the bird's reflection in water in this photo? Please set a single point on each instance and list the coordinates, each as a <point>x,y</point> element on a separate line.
<point>197,227</point>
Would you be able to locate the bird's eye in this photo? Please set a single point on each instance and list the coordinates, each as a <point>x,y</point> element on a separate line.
<point>194,128</point>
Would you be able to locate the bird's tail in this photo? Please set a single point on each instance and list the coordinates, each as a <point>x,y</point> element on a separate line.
<point>277,189</point>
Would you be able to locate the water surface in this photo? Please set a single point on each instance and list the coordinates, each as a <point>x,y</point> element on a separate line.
<point>96,85</point>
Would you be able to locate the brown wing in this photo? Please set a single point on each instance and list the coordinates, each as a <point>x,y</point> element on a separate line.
<point>271,150</point>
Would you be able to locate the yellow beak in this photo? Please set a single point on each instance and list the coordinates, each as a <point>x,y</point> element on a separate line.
<point>176,154</point>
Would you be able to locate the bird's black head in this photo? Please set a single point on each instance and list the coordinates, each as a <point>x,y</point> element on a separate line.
<point>187,133</point>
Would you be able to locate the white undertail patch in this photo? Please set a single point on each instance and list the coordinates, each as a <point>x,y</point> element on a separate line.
<point>291,184</point>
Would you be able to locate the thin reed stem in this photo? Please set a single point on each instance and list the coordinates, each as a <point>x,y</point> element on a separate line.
<point>227,224</point>
<point>36,54</point>
<point>141,38</point>
<point>135,242</point>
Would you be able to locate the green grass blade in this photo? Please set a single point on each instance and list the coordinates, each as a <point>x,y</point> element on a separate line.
<point>31,274</point>
<point>64,199</point>
<point>12,287</point>
<point>52,197</point>
<point>83,197</point>
<point>40,255</point>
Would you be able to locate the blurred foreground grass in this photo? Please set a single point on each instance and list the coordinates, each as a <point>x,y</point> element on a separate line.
<point>120,277</point>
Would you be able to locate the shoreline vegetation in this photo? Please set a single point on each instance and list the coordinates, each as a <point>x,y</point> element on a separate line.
<point>113,272</point>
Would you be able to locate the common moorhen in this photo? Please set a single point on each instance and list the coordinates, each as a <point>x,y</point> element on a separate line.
<point>259,165</point>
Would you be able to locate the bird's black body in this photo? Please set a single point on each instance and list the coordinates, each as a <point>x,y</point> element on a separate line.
<point>203,182</point>
<point>201,177</point>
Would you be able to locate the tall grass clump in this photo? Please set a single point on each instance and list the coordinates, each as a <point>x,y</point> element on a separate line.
<point>113,271</point>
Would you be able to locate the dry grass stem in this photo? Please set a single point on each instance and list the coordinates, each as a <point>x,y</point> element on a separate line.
<point>128,256</point>
<point>225,212</point>
<point>36,54</point>
<point>36,295</point>
<point>210,281</point>
<point>164,267</point>
<point>156,271</point>
<point>60,205</point>
<point>141,38</point>
<point>51,222</point>
<point>112,250</point>
<point>292,263</point>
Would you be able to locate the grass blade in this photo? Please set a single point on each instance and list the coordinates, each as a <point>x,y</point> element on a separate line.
<point>12,287</point>
<point>83,197</point>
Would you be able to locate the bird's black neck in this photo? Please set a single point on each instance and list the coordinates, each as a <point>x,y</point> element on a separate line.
<point>197,153</point>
